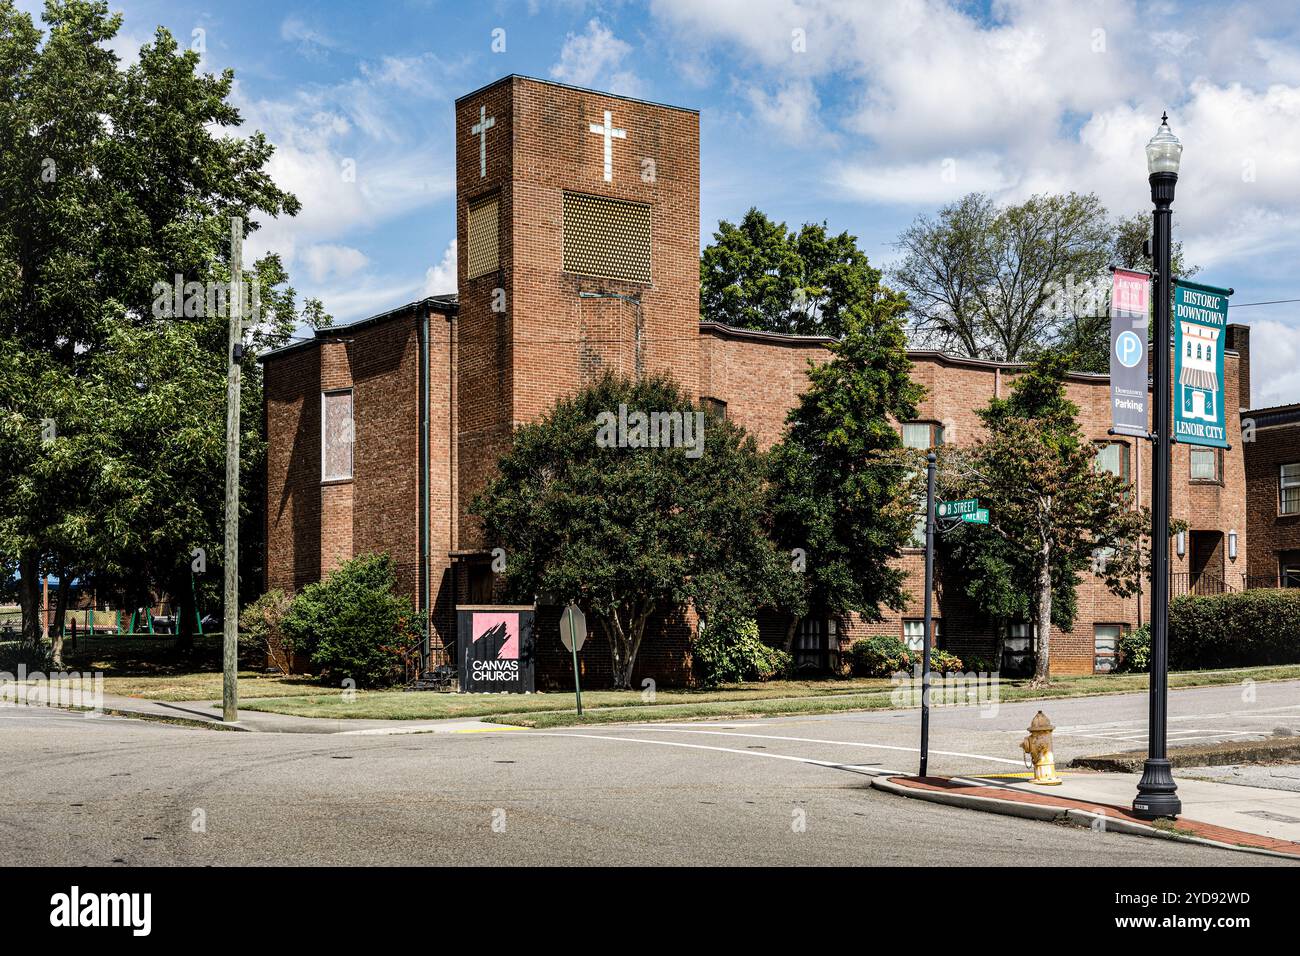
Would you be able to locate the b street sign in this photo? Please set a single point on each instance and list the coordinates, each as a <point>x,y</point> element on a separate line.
<point>1128,352</point>
<point>953,509</point>
<point>1200,327</point>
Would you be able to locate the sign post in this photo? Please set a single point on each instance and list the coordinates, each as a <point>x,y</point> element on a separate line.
<point>1128,352</point>
<point>930,460</point>
<point>573,634</point>
<point>1200,326</point>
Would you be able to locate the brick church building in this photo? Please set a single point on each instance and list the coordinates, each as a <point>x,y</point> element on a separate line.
<point>578,228</point>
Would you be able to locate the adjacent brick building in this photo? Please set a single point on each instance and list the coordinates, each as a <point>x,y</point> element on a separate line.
<point>577,221</point>
<point>1272,448</point>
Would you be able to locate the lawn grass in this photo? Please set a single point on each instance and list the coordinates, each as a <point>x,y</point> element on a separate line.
<point>156,669</point>
<point>776,697</point>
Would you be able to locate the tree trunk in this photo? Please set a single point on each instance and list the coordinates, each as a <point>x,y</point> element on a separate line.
<point>789,633</point>
<point>60,613</point>
<point>1042,667</point>
<point>184,625</point>
<point>29,597</point>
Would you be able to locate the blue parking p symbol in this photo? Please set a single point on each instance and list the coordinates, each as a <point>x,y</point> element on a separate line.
<point>1129,349</point>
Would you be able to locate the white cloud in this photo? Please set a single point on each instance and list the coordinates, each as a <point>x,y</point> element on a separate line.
<point>594,59</point>
<point>310,41</point>
<point>793,110</point>
<point>929,184</point>
<point>441,279</point>
<point>1274,363</point>
<point>327,260</point>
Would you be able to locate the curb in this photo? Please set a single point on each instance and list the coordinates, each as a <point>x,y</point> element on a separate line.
<point>1048,814</point>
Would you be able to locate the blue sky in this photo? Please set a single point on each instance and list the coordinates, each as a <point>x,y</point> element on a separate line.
<point>876,112</point>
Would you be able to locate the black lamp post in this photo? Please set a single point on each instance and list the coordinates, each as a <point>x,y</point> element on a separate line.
<point>1157,794</point>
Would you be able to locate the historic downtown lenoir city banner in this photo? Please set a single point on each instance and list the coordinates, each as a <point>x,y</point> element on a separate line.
<point>1200,326</point>
<point>1128,351</point>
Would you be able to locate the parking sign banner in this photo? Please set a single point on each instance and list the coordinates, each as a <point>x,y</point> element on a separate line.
<point>1128,351</point>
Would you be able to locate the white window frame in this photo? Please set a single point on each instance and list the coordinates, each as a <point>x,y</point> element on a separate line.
<point>1284,482</point>
<point>1214,457</point>
<point>920,623</point>
<point>352,445</point>
<point>1113,656</point>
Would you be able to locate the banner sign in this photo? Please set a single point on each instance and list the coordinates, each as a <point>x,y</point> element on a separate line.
<point>1200,326</point>
<point>1128,351</point>
<point>496,649</point>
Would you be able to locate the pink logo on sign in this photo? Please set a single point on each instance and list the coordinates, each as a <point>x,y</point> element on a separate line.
<point>502,630</point>
<point>1130,291</point>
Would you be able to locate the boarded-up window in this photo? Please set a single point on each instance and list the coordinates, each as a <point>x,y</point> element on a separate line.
<point>336,436</point>
<point>609,238</point>
<point>483,254</point>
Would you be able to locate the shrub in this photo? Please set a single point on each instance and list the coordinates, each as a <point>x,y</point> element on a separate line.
<point>881,656</point>
<point>1239,629</point>
<point>261,630</point>
<point>731,652</point>
<point>1135,651</point>
<point>878,656</point>
<point>353,624</point>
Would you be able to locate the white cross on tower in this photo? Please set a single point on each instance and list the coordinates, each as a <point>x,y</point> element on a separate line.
<point>610,133</point>
<point>480,129</point>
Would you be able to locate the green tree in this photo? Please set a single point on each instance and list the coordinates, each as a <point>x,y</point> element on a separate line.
<point>1084,330</point>
<point>1053,515</point>
<point>982,280</point>
<point>628,531</point>
<point>844,489</point>
<point>112,181</point>
<point>760,275</point>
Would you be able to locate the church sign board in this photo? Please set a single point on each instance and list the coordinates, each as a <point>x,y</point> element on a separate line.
<point>1200,326</point>
<point>495,649</point>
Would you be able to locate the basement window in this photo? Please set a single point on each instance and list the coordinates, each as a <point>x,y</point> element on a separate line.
<point>336,436</point>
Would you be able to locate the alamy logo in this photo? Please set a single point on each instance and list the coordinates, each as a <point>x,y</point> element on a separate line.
<point>651,430</point>
<point>75,909</point>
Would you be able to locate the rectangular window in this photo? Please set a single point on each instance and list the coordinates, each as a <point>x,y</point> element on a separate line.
<point>922,435</point>
<point>1289,489</point>
<point>606,238</point>
<point>715,408</point>
<point>914,633</point>
<point>1105,640</point>
<point>917,540</point>
<point>1290,576</point>
<point>483,229</point>
<point>1205,464</point>
<point>336,436</point>
<point>1113,457</point>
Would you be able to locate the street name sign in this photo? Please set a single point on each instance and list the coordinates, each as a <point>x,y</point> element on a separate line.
<point>1200,327</point>
<point>954,509</point>
<point>979,516</point>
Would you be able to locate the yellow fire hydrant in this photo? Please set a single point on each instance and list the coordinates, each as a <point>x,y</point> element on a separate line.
<point>1038,745</point>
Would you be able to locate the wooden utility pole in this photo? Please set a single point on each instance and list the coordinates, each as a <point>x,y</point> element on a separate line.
<point>230,610</point>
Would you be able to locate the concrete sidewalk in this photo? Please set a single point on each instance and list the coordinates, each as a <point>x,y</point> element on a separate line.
<point>1228,815</point>
<point>208,714</point>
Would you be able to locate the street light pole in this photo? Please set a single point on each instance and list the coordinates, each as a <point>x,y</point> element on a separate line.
<point>1157,794</point>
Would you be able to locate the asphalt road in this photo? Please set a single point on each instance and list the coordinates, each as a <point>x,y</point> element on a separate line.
<point>105,791</point>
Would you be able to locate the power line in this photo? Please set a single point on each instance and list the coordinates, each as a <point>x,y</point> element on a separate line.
<point>1244,305</point>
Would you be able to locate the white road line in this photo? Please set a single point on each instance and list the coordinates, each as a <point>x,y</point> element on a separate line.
<point>873,771</point>
<point>839,743</point>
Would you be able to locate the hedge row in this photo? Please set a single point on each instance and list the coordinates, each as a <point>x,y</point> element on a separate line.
<point>1239,629</point>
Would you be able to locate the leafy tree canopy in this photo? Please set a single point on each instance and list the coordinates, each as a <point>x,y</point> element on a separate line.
<point>761,275</point>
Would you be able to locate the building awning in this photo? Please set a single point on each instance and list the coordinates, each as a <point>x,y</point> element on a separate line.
<point>1199,378</point>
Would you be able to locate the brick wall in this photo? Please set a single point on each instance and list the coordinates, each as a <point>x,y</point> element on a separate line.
<point>1276,442</point>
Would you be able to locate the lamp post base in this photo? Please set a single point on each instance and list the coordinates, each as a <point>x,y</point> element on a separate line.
<point>1157,794</point>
